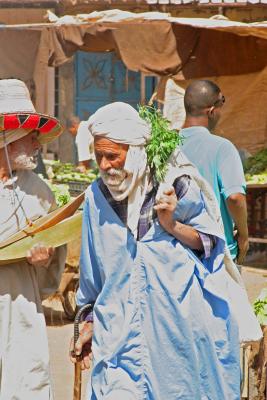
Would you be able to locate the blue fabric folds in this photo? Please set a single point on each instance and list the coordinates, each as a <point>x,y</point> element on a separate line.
<point>162,331</point>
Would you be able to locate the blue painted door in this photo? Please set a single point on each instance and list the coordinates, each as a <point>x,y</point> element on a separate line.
<point>101,78</point>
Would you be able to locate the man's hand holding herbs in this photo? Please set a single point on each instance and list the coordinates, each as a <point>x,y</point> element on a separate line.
<point>165,208</point>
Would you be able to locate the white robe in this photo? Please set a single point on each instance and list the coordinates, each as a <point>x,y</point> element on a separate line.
<point>24,357</point>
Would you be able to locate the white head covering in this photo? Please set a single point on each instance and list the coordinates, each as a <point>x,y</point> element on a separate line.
<point>121,123</point>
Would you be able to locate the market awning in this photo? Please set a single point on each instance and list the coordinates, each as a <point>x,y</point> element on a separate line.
<point>156,43</point>
<point>153,43</point>
<point>72,4</point>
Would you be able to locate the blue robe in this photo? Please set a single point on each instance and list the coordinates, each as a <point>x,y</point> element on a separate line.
<point>163,329</point>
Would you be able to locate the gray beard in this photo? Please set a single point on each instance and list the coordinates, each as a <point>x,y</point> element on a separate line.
<point>22,161</point>
<point>115,179</point>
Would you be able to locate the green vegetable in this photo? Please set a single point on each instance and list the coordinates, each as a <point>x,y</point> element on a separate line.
<point>256,164</point>
<point>60,191</point>
<point>256,179</point>
<point>66,172</point>
<point>260,307</point>
<point>164,141</point>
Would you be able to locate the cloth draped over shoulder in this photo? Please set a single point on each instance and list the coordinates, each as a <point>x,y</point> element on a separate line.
<point>179,165</point>
<point>158,307</point>
<point>24,355</point>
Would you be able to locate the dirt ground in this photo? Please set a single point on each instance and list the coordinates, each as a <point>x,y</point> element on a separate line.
<point>60,331</point>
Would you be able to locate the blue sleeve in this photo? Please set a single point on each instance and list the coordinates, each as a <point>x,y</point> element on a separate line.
<point>190,206</point>
<point>230,170</point>
<point>182,186</point>
<point>90,278</point>
<point>191,211</point>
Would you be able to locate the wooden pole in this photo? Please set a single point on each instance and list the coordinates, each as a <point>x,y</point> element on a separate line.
<point>143,88</point>
<point>77,390</point>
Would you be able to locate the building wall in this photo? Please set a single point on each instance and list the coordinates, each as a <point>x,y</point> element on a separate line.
<point>13,16</point>
<point>247,14</point>
<point>239,12</point>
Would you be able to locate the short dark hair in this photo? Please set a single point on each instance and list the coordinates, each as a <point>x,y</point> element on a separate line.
<point>200,94</point>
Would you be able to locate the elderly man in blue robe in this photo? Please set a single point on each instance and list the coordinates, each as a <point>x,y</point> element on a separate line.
<point>163,324</point>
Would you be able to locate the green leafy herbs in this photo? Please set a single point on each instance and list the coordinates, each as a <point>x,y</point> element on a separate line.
<point>164,141</point>
<point>256,164</point>
<point>255,168</point>
<point>60,191</point>
<point>260,307</point>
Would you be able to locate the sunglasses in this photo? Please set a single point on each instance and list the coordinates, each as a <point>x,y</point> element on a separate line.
<point>219,102</point>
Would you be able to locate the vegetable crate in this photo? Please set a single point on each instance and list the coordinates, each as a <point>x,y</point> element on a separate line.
<point>257,210</point>
<point>76,188</point>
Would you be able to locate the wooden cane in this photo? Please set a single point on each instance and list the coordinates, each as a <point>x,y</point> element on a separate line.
<point>77,389</point>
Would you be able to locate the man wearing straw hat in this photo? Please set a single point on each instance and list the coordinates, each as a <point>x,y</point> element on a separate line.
<point>24,197</point>
<point>166,311</point>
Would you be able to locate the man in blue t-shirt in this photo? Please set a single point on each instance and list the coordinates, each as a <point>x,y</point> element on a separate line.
<point>217,160</point>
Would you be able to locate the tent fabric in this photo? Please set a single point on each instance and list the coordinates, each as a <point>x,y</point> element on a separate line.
<point>156,47</point>
<point>155,44</point>
<point>182,47</point>
<point>243,121</point>
<point>19,57</point>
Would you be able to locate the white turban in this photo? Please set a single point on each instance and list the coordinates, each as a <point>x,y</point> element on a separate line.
<point>120,123</point>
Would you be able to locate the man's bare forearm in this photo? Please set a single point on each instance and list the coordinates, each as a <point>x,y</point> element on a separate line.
<point>187,235</point>
<point>237,207</point>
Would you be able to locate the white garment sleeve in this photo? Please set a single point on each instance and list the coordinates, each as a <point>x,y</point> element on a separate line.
<point>49,278</point>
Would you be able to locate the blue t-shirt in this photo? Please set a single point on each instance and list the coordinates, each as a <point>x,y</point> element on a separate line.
<point>219,163</point>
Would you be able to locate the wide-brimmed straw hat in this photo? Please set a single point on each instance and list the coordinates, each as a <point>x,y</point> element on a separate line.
<point>18,116</point>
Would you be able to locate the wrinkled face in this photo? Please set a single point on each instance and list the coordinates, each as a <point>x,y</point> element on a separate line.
<point>23,152</point>
<point>110,158</point>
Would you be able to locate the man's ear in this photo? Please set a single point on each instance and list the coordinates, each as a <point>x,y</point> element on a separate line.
<point>211,111</point>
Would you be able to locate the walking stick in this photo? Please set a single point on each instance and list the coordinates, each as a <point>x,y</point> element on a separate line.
<point>78,371</point>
